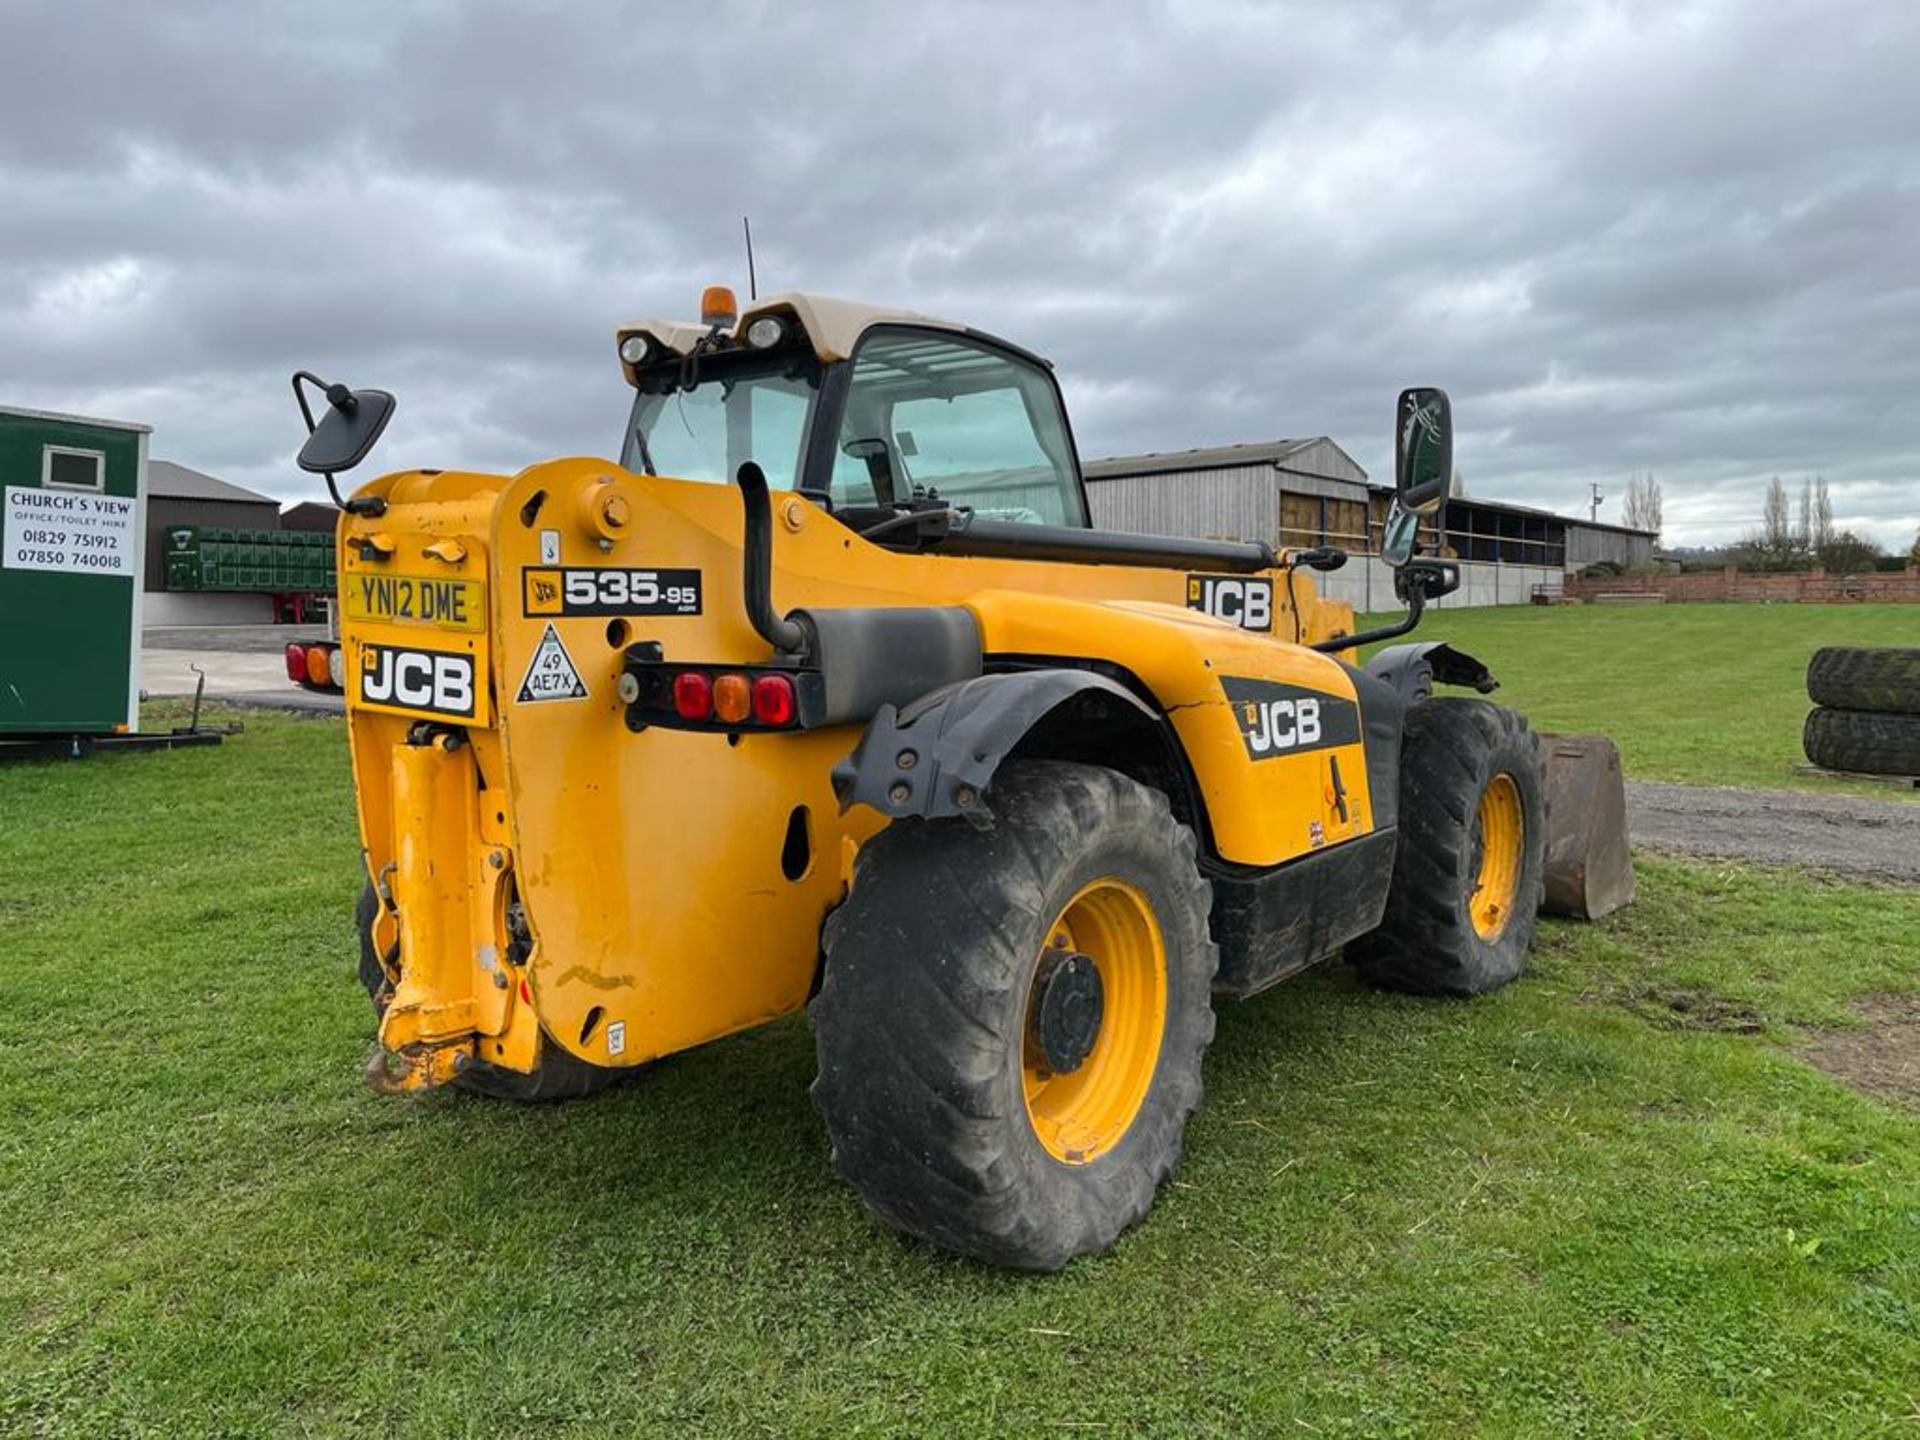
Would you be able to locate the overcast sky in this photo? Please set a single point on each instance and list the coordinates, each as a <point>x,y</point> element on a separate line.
<point>1666,237</point>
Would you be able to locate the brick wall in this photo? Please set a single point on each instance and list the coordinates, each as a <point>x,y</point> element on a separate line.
<point>1813,587</point>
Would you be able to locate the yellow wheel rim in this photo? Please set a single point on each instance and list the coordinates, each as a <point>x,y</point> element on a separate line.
<point>1080,1116</point>
<point>1500,830</point>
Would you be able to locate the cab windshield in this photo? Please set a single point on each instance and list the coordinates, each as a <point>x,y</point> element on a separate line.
<point>927,416</point>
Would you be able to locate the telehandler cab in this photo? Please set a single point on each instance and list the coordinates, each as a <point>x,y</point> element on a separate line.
<point>829,695</point>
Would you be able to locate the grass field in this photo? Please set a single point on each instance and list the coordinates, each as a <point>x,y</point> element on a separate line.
<point>1609,1200</point>
<point>1706,694</point>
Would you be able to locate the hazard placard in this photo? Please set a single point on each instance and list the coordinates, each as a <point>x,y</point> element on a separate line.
<point>551,676</point>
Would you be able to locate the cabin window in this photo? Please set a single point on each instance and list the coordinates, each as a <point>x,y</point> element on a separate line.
<point>63,467</point>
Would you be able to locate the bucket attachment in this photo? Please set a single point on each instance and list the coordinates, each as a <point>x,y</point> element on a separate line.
<point>1589,873</point>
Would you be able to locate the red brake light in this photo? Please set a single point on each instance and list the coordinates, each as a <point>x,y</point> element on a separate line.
<point>773,699</point>
<point>692,695</point>
<point>296,663</point>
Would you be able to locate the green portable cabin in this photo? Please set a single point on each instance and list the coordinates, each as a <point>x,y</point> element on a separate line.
<point>72,553</point>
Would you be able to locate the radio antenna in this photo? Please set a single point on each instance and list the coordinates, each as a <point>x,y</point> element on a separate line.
<point>753,287</point>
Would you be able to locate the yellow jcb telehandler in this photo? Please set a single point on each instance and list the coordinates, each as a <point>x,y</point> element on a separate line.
<point>828,694</point>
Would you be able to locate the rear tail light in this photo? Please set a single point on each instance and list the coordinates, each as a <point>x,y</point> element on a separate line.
<point>724,698</point>
<point>337,667</point>
<point>692,695</point>
<point>318,670</point>
<point>773,702</point>
<point>732,698</point>
<point>296,663</point>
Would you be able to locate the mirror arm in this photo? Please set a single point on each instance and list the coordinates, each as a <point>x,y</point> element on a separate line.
<point>1416,606</point>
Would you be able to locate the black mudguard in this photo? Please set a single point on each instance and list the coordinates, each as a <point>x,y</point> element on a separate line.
<point>1414,670</point>
<point>935,756</point>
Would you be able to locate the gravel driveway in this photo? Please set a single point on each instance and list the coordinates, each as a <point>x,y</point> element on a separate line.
<point>1846,834</point>
<point>242,663</point>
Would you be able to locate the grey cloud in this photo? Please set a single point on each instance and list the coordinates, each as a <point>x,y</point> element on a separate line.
<point>1627,236</point>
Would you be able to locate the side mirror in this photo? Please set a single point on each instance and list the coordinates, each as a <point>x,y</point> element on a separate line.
<point>1399,535</point>
<point>873,453</point>
<point>1423,449</point>
<point>347,429</point>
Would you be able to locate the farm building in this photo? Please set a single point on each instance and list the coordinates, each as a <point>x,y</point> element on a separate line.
<point>310,517</point>
<point>177,496</point>
<point>1311,492</point>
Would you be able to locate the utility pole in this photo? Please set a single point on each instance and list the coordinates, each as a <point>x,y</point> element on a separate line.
<point>1594,512</point>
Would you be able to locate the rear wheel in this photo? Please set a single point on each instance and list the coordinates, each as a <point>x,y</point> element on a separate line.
<point>1011,1020</point>
<point>559,1076</point>
<point>1469,869</point>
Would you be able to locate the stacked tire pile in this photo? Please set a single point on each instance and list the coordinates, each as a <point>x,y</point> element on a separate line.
<point>1868,720</point>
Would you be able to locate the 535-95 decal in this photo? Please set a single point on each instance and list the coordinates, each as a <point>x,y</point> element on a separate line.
<point>611,590</point>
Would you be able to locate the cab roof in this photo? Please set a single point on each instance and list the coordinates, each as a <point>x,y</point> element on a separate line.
<point>833,326</point>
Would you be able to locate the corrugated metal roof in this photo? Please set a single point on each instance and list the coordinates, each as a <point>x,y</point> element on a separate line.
<point>1513,509</point>
<point>1575,520</point>
<point>177,482</point>
<point>1274,452</point>
<point>1212,457</point>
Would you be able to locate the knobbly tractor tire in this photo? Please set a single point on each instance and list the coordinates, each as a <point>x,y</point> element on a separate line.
<point>560,1076</point>
<point>1469,869</point>
<point>1011,1020</point>
<point>1884,680</point>
<point>1863,742</point>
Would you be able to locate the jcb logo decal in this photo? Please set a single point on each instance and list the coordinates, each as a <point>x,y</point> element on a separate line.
<point>1232,598</point>
<point>1282,725</point>
<point>438,681</point>
<point>1276,719</point>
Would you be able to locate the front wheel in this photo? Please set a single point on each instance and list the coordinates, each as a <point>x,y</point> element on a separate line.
<point>1471,861</point>
<point>1011,1020</point>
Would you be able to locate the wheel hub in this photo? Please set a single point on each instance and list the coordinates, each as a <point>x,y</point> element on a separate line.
<point>1069,1003</point>
<point>1499,830</point>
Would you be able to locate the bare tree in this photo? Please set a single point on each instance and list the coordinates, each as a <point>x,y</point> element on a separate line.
<point>1776,523</point>
<point>1776,545</point>
<point>1643,504</point>
<point>1813,528</point>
